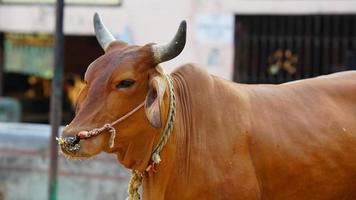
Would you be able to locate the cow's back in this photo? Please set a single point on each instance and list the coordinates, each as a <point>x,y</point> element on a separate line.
<point>303,137</point>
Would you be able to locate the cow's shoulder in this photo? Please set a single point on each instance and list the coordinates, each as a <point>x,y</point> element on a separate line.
<point>193,74</point>
<point>191,70</point>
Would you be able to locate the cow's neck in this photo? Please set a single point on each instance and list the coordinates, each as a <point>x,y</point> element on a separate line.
<point>188,146</point>
<point>157,183</point>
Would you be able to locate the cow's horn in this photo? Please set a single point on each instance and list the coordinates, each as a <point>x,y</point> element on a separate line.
<point>168,51</point>
<point>102,34</point>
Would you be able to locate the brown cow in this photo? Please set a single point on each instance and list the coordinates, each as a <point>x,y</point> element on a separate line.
<point>229,141</point>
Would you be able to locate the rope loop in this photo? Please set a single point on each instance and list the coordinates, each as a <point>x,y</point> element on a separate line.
<point>112,132</point>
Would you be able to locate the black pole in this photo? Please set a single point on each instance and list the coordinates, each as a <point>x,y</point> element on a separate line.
<point>2,41</point>
<point>56,100</point>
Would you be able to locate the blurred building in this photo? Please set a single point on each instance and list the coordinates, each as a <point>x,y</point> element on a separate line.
<point>260,41</point>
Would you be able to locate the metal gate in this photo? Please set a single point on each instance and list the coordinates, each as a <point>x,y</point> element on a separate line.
<point>276,49</point>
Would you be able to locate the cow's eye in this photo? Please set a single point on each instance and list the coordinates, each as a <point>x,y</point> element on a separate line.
<point>125,84</point>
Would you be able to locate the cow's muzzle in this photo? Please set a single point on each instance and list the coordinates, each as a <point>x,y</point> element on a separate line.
<point>69,144</point>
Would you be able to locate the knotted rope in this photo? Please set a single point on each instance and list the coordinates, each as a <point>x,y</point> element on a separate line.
<point>110,127</point>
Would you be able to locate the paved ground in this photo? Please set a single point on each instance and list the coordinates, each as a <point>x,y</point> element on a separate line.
<point>24,165</point>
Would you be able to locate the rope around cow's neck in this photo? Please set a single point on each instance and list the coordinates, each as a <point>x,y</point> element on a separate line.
<point>136,176</point>
<point>155,157</point>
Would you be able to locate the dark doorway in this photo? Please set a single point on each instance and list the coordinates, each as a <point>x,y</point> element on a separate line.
<point>33,91</point>
<point>277,48</point>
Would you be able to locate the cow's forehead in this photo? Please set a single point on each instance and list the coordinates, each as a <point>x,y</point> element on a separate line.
<point>96,68</point>
<point>110,62</point>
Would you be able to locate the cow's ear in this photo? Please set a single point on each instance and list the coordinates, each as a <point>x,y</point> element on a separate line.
<point>154,100</point>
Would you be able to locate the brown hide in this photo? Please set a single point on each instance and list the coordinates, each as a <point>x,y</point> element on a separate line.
<point>303,138</point>
<point>235,141</point>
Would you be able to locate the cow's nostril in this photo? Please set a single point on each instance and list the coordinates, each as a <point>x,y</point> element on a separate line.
<point>70,144</point>
<point>71,140</point>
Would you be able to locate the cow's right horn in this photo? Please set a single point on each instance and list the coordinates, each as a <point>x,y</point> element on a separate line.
<point>102,34</point>
<point>162,53</point>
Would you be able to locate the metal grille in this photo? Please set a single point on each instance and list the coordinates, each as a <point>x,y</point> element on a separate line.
<point>276,49</point>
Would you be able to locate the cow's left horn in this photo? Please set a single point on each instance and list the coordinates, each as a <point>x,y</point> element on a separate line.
<point>168,51</point>
<point>102,34</point>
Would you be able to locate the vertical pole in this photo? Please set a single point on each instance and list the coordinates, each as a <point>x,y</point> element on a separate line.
<point>56,100</point>
<point>2,41</point>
